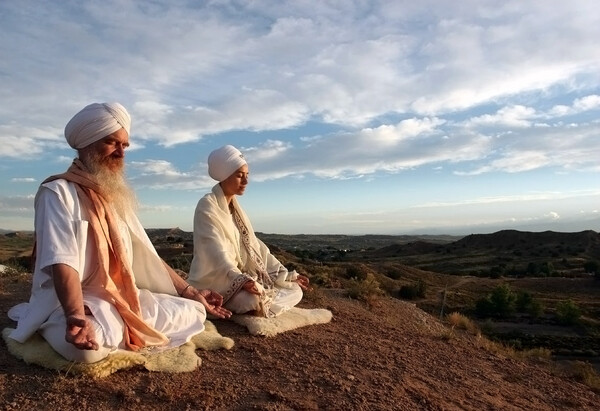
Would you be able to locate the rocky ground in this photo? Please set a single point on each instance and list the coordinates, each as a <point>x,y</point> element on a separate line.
<point>389,355</point>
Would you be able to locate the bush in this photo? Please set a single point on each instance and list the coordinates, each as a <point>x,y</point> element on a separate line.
<point>535,309</point>
<point>365,290</point>
<point>592,267</point>
<point>359,272</point>
<point>500,303</point>
<point>585,372</point>
<point>523,301</point>
<point>503,300</point>
<point>393,273</point>
<point>410,292</point>
<point>181,262</point>
<point>459,321</point>
<point>567,312</point>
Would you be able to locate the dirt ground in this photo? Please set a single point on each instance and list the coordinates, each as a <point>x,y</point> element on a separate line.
<point>391,356</point>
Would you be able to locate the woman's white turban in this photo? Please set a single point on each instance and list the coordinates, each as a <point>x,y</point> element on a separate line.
<point>95,122</point>
<point>224,161</point>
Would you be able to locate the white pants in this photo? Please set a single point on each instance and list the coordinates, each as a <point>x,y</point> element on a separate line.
<point>245,301</point>
<point>177,318</point>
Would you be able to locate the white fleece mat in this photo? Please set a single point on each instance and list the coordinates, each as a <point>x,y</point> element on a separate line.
<point>289,320</point>
<point>181,359</point>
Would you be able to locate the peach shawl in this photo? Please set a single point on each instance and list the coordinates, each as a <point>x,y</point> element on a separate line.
<point>111,279</point>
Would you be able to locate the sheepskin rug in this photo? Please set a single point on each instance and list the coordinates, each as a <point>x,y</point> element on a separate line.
<point>181,359</point>
<point>289,320</point>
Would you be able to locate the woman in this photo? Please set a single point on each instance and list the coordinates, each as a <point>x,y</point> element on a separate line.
<point>228,257</point>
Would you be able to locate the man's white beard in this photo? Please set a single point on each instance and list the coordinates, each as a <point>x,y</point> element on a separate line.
<point>113,186</point>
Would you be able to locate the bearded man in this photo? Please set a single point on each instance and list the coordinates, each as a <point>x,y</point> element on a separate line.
<point>98,282</point>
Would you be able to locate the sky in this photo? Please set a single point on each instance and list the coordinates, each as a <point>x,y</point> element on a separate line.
<point>356,117</point>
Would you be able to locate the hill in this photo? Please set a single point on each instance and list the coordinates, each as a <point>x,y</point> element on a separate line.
<point>508,252</point>
<point>378,352</point>
<point>389,355</point>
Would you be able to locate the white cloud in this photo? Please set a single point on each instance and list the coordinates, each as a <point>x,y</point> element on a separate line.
<point>16,204</point>
<point>340,90</point>
<point>157,167</point>
<point>521,198</point>
<point>23,180</point>
<point>514,117</point>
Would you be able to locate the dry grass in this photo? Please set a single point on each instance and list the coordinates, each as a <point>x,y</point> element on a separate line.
<point>462,322</point>
<point>366,290</point>
<point>584,372</point>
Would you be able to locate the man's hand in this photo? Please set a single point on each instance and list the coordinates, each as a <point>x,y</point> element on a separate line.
<point>212,297</point>
<point>211,300</point>
<point>302,282</point>
<point>80,333</point>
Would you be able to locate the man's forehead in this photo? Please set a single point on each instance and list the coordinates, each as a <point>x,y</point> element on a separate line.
<point>120,135</point>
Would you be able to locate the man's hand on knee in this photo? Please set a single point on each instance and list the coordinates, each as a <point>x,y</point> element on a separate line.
<point>80,333</point>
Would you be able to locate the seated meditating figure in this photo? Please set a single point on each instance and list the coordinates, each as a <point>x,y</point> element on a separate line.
<point>228,257</point>
<point>98,283</point>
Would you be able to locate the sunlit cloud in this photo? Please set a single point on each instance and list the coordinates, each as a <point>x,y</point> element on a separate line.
<point>23,180</point>
<point>310,91</point>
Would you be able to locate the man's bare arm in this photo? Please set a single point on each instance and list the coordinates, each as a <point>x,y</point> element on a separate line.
<point>79,331</point>
<point>211,300</point>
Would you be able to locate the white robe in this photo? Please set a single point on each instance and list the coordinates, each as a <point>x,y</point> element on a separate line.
<point>222,263</point>
<point>63,237</point>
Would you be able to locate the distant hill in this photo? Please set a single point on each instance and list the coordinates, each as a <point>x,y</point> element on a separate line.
<point>163,233</point>
<point>15,232</point>
<point>508,249</point>
<point>586,240</point>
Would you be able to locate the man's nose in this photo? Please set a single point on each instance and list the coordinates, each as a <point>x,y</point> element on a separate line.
<point>120,149</point>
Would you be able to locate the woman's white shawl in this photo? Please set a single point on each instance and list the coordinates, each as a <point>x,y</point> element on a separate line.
<point>220,261</point>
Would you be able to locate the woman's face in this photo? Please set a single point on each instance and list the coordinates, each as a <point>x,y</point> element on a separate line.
<point>236,183</point>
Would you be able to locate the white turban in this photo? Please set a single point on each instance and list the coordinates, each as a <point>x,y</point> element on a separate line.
<point>224,161</point>
<point>95,122</point>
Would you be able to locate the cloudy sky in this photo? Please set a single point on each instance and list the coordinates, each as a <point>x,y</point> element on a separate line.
<point>379,117</point>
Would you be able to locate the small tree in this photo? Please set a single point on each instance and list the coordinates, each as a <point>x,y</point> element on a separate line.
<point>359,272</point>
<point>535,309</point>
<point>504,300</point>
<point>413,291</point>
<point>523,301</point>
<point>501,302</point>
<point>547,268</point>
<point>568,312</point>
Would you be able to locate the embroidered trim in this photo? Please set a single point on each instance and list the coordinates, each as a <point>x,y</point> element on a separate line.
<point>263,277</point>
<point>235,286</point>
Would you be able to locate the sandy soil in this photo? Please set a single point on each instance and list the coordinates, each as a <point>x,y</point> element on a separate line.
<point>390,356</point>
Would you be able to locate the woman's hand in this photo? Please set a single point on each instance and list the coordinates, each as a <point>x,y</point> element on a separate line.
<point>303,281</point>
<point>251,287</point>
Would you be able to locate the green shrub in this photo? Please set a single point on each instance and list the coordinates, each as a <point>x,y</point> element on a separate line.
<point>359,272</point>
<point>523,301</point>
<point>393,273</point>
<point>365,290</point>
<point>567,312</point>
<point>501,302</point>
<point>410,292</point>
<point>535,309</point>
